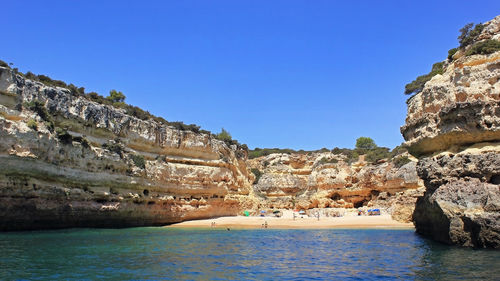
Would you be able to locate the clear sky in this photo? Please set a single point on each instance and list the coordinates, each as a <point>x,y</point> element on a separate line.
<point>288,74</point>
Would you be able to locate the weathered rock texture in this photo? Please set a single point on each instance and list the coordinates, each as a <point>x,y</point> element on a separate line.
<point>92,179</point>
<point>454,126</point>
<point>325,180</point>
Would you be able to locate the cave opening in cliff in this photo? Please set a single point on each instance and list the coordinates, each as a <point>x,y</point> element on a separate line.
<point>335,196</point>
<point>374,193</point>
<point>360,203</point>
<point>495,179</point>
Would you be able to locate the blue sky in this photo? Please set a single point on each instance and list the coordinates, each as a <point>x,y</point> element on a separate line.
<point>288,74</point>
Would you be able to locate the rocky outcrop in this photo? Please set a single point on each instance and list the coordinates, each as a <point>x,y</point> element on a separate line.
<point>72,162</point>
<point>462,202</point>
<point>327,180</point>
<point>459,107</point>
<point>453,125</point>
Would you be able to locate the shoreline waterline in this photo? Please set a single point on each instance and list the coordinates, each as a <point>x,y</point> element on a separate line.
<point>348,222</point>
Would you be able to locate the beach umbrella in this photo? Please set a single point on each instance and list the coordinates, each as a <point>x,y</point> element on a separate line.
<point>262,212</point>
<point>276,211</point>
<point>302,212</point>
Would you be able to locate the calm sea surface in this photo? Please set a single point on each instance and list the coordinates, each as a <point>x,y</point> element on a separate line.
<point>267,254</point>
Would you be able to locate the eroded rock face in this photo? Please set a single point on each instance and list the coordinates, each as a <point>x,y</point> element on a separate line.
<point>460,107</point>
<point>462,202</point>
<point>454,126</point>
<point>325,180</point>
<point>96,177</point>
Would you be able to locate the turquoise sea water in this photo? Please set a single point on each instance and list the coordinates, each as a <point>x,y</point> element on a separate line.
<point>263,254</point>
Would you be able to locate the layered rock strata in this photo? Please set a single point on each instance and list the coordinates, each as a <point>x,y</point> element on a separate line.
<point>327,180</point>
<point>99,167</point>
<point>453,125</point>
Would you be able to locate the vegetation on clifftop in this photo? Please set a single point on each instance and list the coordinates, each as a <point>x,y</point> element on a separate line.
<point>115,99</point>
<point>469,34</point>
<point>364,146</point>
<point>484,48</point>
<point>417,85</point>
<point>259,152</point>
<point>468,45</point>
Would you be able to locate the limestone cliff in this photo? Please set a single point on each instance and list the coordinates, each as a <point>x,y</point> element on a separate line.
<point>453,125</point>
<point>66,161</point>
<point>327,180</point>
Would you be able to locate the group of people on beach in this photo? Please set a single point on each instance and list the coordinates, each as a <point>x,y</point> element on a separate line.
<point>316,215</point>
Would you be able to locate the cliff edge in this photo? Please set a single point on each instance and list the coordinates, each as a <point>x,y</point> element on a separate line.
<point>67,161</point>
<point>453,126</point>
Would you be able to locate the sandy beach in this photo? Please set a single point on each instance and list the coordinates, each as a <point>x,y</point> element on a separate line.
<point>382,221</point>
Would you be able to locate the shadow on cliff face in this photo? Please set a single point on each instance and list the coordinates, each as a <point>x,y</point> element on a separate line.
<point>430,220</point>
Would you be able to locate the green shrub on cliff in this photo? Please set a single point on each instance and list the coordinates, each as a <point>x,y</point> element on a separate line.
<point>376,154</point>
<point>38,107</point>
<point>223,135</point>
<point>400,149</point>
<point>137,112</point>
<point>226,137</point>
<point>451,52</point>
<point>417,85</point>
<point>93,96</point>
<point>351,156</point>
<point>79,91</point>
<point>338,150</point>
<point>116,96</point>
<point>484,48</point>
<point>51,82</point>
<point>365,143</point>
<point>32,124</point>
<point>401,161</point>
<point>138,161</point>
<point>184,127</point>
<point>257,174</point>
<point>468,34</point>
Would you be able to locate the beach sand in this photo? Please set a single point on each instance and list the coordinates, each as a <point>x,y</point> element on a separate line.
<point>382,221</point>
